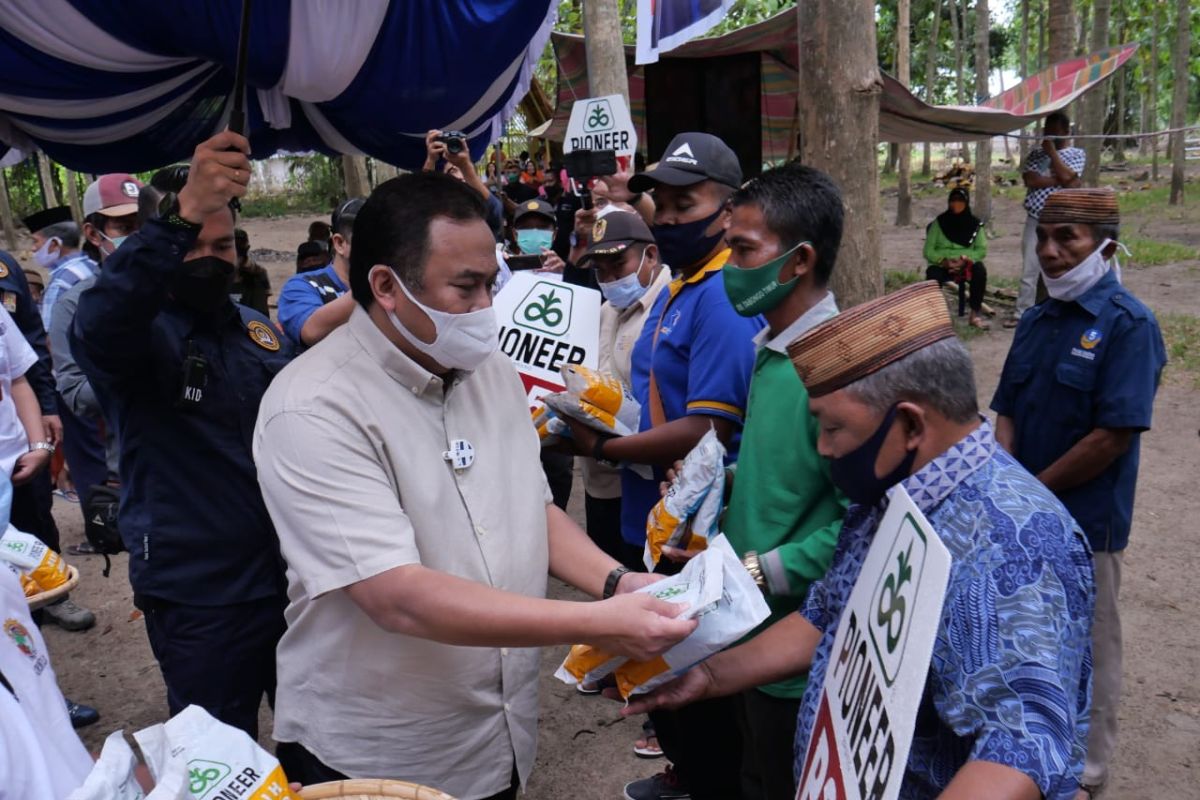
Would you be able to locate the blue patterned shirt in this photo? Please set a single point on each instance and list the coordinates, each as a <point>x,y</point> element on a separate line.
<point>64,274</point>
<point>1010,677</point>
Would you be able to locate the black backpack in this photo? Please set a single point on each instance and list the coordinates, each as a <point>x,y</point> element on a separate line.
<point>100,524</point>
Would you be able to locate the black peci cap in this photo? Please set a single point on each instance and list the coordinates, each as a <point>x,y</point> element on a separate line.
<point>48,217</point>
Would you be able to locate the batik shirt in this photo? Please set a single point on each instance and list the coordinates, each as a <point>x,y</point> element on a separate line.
<point>1010,677</point>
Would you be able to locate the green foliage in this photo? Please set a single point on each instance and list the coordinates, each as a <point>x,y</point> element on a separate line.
<point>1181,333</point>
<point>895,279</point>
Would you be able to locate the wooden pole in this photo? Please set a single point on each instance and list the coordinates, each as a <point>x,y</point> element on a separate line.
<point>49,197</point>
<point>1094,102</point>
<point>1155,27</point>
<point>605,49</point>
<point>73,197</point>
<point>930,78</point>
<point>840,87</point>
<point>355,170</point>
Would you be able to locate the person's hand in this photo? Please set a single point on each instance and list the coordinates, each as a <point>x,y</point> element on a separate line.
<point>695,684</point>
<point>672,476</point>
<point>678,555</point>
<point>617,186</point>
<point>585,220</point>
<point>552,263</point>
<point>583,437</point>
<point>220,171</point>
<point>29,465</point>
<point>639,626</point>
<point>632,581</point>
<point>52,428</point>
<point>1048,145</point>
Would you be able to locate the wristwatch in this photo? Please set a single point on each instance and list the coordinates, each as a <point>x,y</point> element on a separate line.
<point>750,562</point>
<point>610,583</point>
<point>49,448</point>
<point>168,212</point>
<point>598,450</point>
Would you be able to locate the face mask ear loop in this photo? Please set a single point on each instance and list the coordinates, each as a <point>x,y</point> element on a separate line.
<point>1115,262</point>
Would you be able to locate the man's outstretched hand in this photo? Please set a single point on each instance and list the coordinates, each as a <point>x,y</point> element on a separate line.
<point>695,684</point>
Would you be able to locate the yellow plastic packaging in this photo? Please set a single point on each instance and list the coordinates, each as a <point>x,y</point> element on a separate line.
<point>596,399</point>
<point>42,569</point>
<point>689,514</point>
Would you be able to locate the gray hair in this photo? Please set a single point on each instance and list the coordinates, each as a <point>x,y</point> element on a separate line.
<point>940,376</point>
<point>66,232</point>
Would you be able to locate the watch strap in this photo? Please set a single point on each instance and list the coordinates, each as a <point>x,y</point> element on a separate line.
<point>610,583</point>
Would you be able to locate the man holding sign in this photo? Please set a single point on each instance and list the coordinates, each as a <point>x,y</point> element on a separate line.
<point>1002,711</point>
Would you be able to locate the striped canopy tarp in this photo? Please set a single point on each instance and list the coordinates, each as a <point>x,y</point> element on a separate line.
<point>130,85</point>
<point>774,39</point>
<point>904,118</point>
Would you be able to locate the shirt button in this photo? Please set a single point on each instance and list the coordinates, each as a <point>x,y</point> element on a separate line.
<point>503,651</point>
<point>507,707</point>
<point>480,530</point>
<point>416,390</point>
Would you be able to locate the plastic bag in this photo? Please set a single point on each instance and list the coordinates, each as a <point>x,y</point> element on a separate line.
<point>596,399</point>
<point>550,427</point>
<point>739,610</point>
<point>200,756</point>
<point>112,776</point>
<point>698,586</point>
<point>38,563</point>
<point>689,514</point>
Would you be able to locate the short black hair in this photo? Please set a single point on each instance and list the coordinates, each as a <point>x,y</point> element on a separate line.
<point>1057,120</point>
<point>392,227</point>
<point>799,204</point>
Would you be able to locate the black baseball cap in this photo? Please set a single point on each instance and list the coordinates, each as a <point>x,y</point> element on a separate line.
<point>614,232</point>
<point>344,214</point>
<point>689,159</point>
<point>534,207</point>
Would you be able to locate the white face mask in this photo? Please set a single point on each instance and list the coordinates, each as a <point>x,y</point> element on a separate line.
<point>461,341</point>
<point>43,255</point>
<point>624,292</point>
<point>1075,282</point>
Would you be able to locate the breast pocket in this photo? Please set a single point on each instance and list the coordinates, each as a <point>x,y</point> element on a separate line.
<point>1075,385</point>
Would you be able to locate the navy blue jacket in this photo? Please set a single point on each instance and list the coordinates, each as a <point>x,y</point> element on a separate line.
<point>1074,367</point>
<point>14,293</point>
<point>191,512</point>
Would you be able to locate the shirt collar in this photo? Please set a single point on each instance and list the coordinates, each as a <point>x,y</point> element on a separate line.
<point>399,367</point>
<point>65,260</point>
<point>714,265</point>
<point>1093,299</point>
<point>934,482</point>
<point>823,310</point>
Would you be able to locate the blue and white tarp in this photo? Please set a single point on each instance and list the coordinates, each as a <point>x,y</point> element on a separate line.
<point>131,85</point>
<point>663,25</point>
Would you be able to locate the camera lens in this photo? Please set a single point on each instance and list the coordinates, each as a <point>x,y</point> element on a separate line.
<point>454,146</point>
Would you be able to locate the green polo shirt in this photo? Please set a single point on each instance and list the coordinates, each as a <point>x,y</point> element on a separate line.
<point>784,505</point>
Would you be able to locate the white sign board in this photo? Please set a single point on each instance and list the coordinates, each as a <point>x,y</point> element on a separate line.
<point>544,324</point>
<point>859,744</point>
<point>601,123</point>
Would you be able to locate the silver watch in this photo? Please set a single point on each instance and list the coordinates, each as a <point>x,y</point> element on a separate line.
<point>42,446</point>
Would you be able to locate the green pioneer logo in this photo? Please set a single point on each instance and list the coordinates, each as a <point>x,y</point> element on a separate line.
<point>546,308</point>
<point>597,117</point>
<point>204,776</point>
<point>895,598</point>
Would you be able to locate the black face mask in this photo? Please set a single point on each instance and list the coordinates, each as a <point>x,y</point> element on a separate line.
<point>684,244</point>
<point>854,473</point>
<point>203,284</point>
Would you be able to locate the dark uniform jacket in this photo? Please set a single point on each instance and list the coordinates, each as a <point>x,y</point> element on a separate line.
<point>182,390</point>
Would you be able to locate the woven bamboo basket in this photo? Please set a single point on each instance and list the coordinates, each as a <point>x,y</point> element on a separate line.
<point>370,789</point>
<point>36,601</point>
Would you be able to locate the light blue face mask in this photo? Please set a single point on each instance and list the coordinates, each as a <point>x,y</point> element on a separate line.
<point>533,241</point>
<point>624,292</point>
<point>116,242</point>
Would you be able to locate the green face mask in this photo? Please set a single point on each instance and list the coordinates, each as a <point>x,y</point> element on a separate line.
<point>754,290</point>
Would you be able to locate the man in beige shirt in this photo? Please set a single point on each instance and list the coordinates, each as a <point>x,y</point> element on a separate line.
<point>399,465</point>
<point>623,253</point>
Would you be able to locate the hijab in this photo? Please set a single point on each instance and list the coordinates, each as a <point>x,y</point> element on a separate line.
<point>959,228</point>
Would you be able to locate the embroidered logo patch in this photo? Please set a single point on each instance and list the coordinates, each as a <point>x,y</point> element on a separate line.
<point>3,270</point>
<point>598,230</point>
<point>24,642</point>
<point>262,335</point>
<point>1090,338</point>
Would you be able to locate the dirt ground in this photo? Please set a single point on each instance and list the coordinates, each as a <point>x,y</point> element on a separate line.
<point>585,747</point>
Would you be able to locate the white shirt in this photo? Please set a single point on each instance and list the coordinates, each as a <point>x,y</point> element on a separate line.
<point>350,447</point>
<point>16,357</point>
<point>41,757</point>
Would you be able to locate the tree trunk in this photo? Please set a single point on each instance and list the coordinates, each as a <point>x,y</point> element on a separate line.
<point>1007,147</point>
<point>355,170</point>
<point>889,161</point>
<point>903,45</point>
<point>1093,106</point>
<point>1119,91</point>
<point>1179,71</point>
<point>1061,27</point>
<point>839,90</point>
<point>983,149</point>
<point>1082,31</point>
<point>931,78</point>
<point>49,197</point>
<point>73,197</point>
<point>958,24</point>
<point>1023,145</point>
<point>1042,59</point>
<point>1143,111</point>
<point>6,216</point>
<point>605,48</point>
<point>1155,27</point>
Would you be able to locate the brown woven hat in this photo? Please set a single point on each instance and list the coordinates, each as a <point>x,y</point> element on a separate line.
<point>870,336</point>
<point>1088,206</point>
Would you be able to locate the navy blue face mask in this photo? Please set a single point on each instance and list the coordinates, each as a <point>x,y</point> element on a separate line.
<point>854,473</point>
<point>684,244</point>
